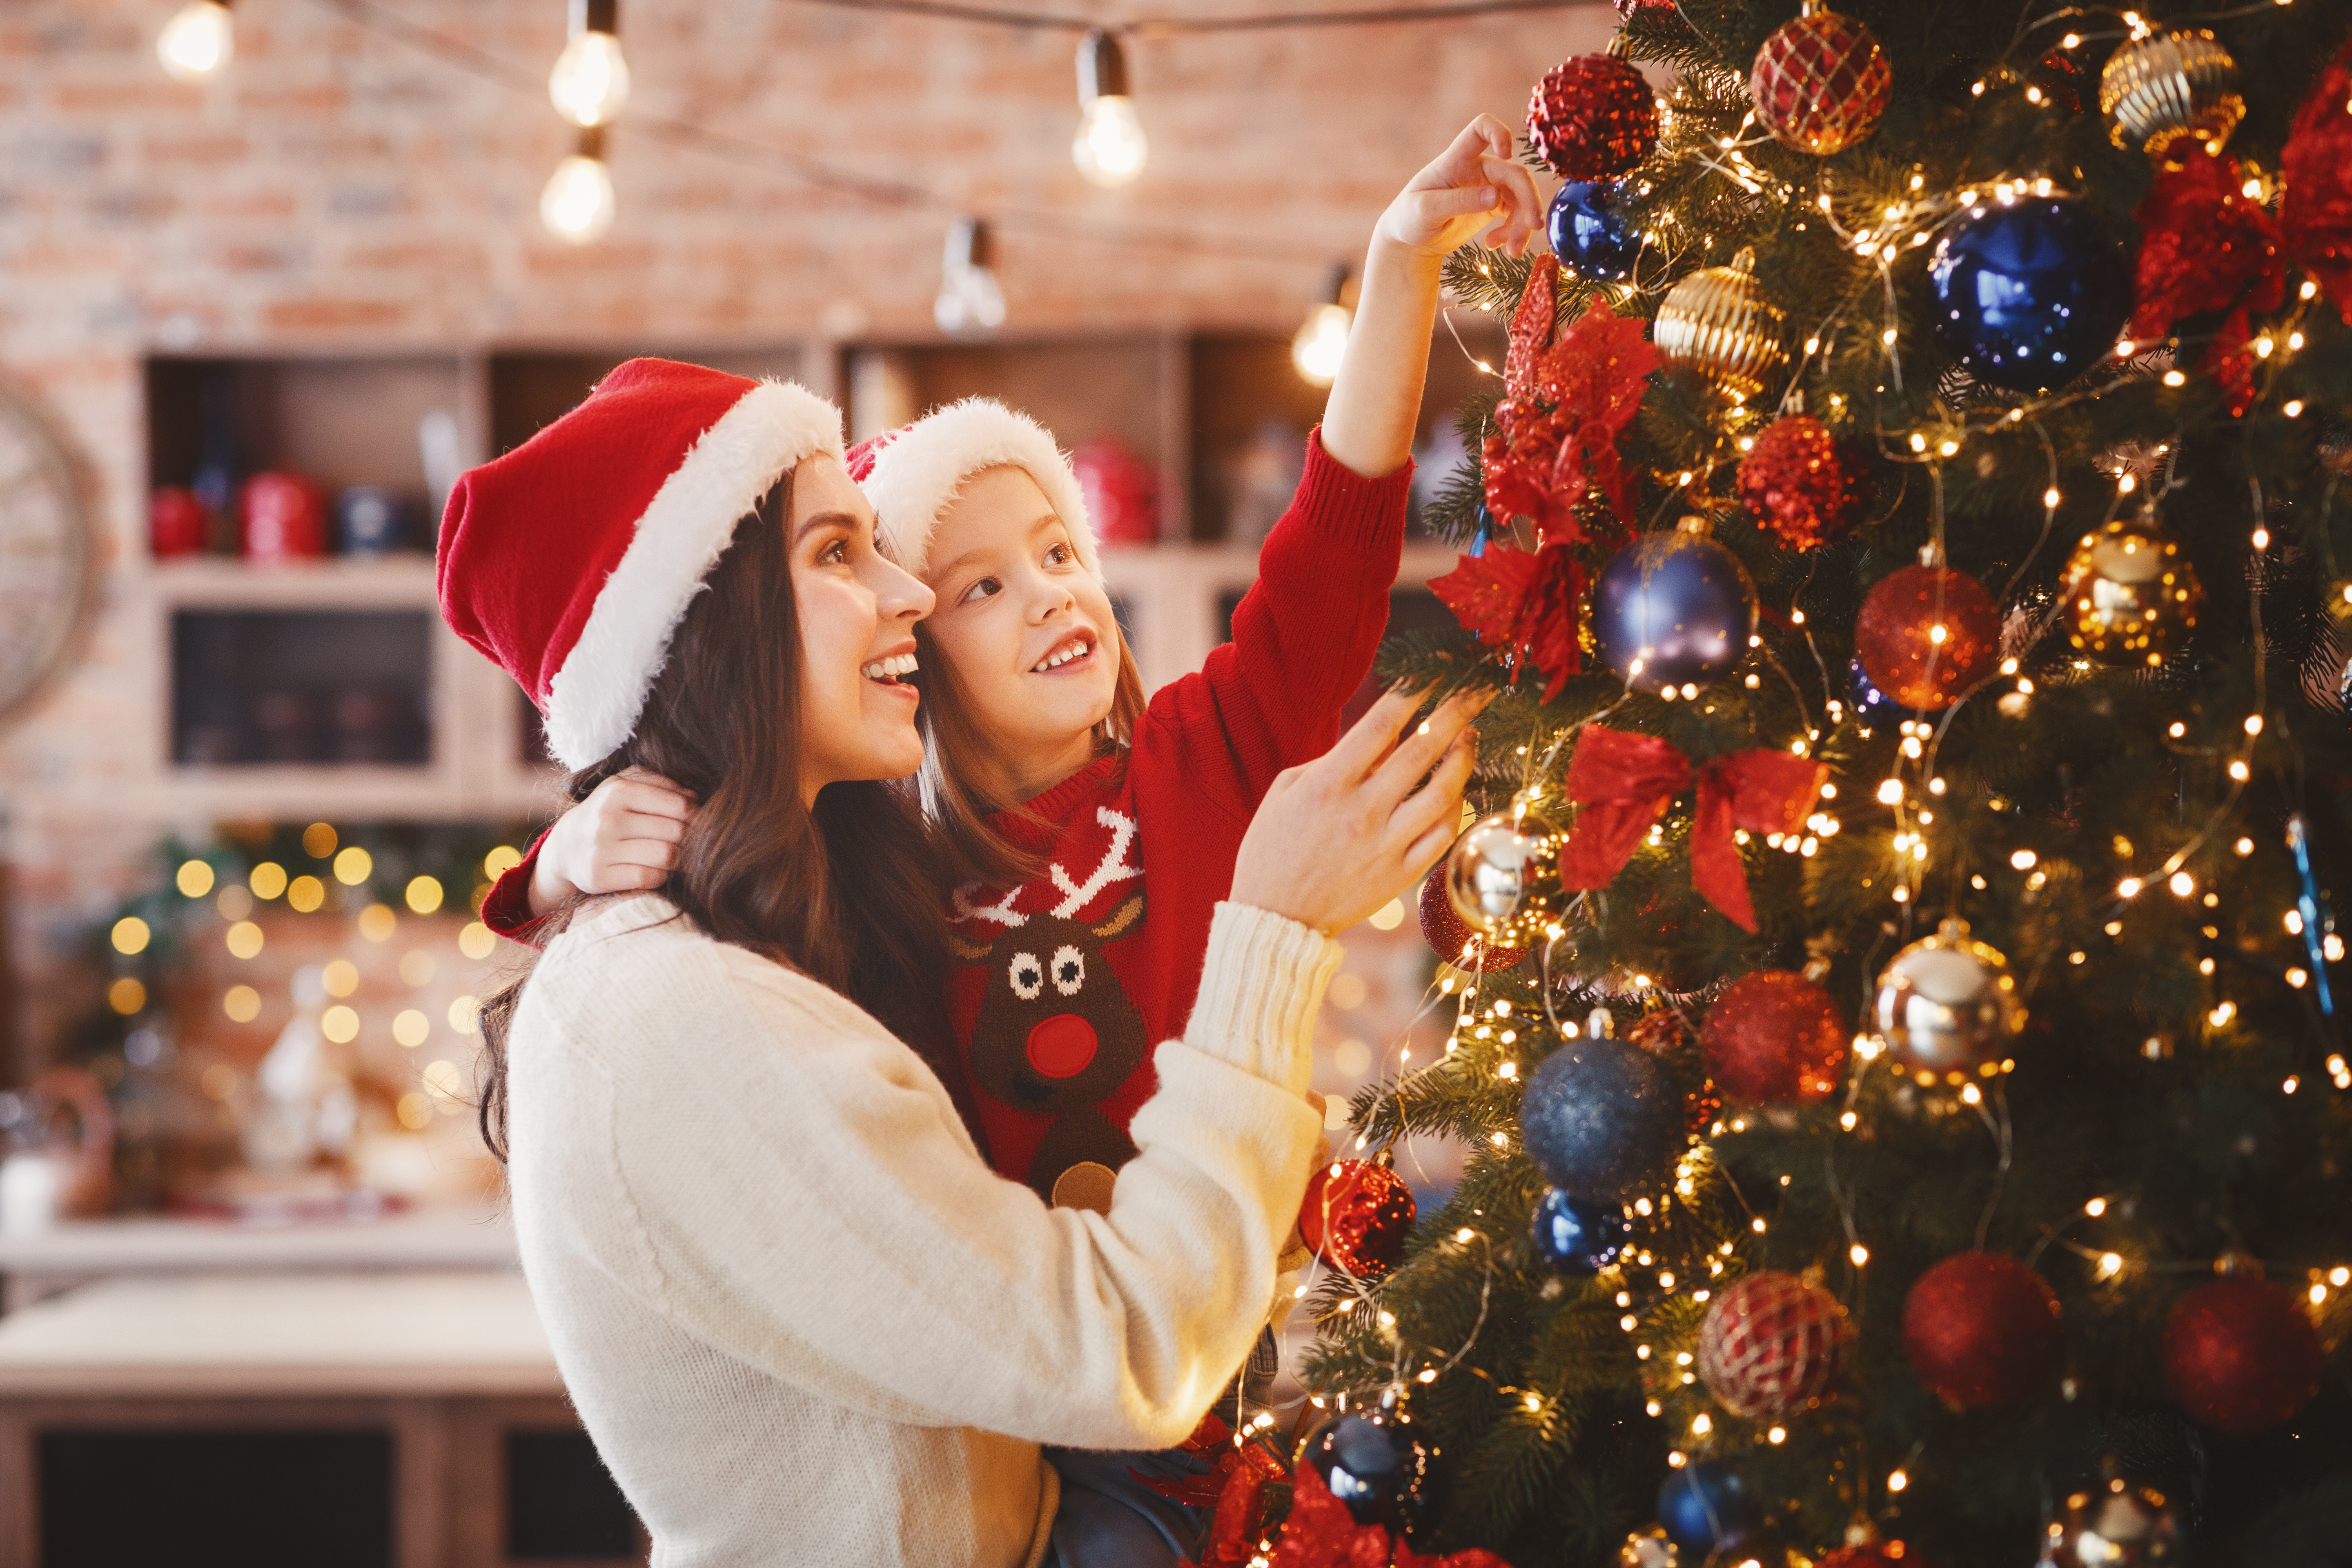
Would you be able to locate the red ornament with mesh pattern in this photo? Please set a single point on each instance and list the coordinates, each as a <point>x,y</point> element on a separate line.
<point>1802,485</point>
<point>1775,1036</point>
<point>1452,940</point>
<point>1592,117</point>
<point>1820,82</point>
<point>1771,1345</point>
<point>1981,1329</point>
<point>2241,1355</point>
<point>1356,1216</point>
<point>1896,635</point>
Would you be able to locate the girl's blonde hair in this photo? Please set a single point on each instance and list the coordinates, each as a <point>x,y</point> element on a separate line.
<point>960,809</point>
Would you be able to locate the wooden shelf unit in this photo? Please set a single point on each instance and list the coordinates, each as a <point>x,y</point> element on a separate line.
<point>1202,408</point>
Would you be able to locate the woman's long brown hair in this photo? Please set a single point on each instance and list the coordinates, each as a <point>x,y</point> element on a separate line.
<point>849,894</point>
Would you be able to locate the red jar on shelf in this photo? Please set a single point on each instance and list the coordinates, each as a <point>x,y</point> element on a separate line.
<point>284,517</point>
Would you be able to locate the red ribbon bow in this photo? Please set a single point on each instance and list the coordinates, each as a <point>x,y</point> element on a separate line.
<point>2209,247</point>
<point>1623,782</point>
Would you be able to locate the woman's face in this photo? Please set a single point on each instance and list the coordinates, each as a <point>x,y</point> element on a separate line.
<point>857,615</point>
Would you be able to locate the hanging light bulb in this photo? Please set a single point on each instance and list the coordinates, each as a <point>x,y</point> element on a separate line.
<point>590,81</point>
<point>197,41</point>
<point>577,204</point>
<point>970,301</point>
<point>1321,340</point>
<point>1109,147</point>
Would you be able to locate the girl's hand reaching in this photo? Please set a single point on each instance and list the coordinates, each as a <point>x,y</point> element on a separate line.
<point>1474,187</point>
<point>623,839</point>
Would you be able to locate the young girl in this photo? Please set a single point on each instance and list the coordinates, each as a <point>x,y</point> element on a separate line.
<point>1094,833</point>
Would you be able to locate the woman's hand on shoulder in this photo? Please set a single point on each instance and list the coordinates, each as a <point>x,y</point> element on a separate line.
<point>1337,838</point>
<point>623,839</point>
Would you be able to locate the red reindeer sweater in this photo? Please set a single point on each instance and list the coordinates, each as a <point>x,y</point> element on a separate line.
<point>1066,983</point>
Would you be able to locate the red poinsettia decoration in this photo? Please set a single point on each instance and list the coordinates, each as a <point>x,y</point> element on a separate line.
<point>1555,436</point>
<point>1322,1534</point>
<point>2207,246</point>
<point>1235,1485</point>
<point>1521,600</point>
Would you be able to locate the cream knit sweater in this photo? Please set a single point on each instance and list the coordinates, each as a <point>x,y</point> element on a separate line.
<point>802,1318</point>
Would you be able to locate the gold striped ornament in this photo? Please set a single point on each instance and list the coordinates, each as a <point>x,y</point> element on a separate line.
<point>2168,88</point>
<point>1718,322</point>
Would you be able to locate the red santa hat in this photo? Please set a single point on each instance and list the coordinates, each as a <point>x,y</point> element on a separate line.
<point>913,473</point>
<point>570,560</point>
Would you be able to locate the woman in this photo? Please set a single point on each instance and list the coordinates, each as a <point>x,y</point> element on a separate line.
<point>802,1318</point>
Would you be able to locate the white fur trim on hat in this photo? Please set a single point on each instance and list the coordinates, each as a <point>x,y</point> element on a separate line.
<point>917,475</point>
<point>594,701</point>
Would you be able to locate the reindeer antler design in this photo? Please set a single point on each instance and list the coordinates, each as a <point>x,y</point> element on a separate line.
<point>1114,866</point>
<point>1001,911</point>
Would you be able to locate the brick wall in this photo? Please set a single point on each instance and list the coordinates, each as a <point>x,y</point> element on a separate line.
<point>340,188</point>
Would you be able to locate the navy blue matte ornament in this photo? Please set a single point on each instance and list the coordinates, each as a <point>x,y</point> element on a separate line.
<point>1373,1463</point>
<point>1590,231</point>
<point>1872,706</point>
<point>1575,1236</point>
<point>2030,295</point>
<point>1602,1117</point>
<point>1673,609</point>
<point>1706,1508</point>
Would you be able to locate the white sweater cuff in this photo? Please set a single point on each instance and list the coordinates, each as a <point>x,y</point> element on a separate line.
<point>1261,982</point>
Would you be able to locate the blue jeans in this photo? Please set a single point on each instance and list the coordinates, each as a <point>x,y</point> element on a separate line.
<point>1108,1519</point>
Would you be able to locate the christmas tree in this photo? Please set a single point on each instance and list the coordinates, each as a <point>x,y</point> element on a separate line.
<point>1894,1021</point>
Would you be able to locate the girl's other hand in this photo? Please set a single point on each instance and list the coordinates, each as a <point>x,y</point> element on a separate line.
<point>1337,838</point>
<point>1475,187</point>
<point>623,839</point>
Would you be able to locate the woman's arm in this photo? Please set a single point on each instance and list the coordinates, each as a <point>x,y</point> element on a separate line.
<point>803,1198</point>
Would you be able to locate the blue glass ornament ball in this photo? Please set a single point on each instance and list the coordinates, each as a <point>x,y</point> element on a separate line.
<point>1871,705</point>
<point>1706,1508</point>
<point>1590,233</point>
<point>2030,295</point>
<point>1600,1117</point>
<point>1673,609</point>
<point>1576,1236</point>
<point>1372,1462</point>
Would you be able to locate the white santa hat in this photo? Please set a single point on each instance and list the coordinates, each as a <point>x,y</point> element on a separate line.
<point>570,561</point>
<point>914,473</point>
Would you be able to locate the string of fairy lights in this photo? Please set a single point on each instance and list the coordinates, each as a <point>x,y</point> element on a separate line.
<point>588,87</point>
<point>1478,1046</point>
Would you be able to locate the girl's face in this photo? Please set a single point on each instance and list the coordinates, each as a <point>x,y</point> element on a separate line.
<point>1027,628</point>
<point>857,613</point>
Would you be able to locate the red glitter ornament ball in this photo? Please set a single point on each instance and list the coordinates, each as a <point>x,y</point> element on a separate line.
<point>1452,940</point>
<point>1775,1035</point>
<point>1820,82</point>
<point>1592,117</point>
<point>1802,484</point>
<point>1773,1343</point>
<point>2241,1355</point>
<point>1980,1330</point>
<point>1356,1216</point>
<point>1895,636</point>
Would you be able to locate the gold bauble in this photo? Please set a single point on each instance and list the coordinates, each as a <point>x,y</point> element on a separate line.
<point>2131,596</point>
<point>1718,322</point>
<point>1946,1007</point>
<point>2169,87</point>
<point>1503,877</point>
